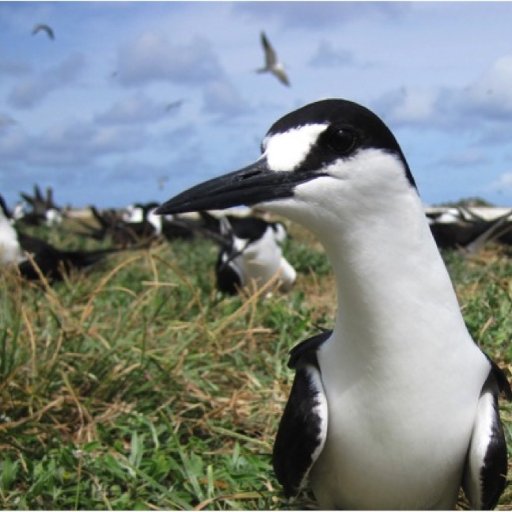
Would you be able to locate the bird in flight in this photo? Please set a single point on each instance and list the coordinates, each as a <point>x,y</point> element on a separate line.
<point>272,64</point>
<point>44,28</point>
<point>174,104</point>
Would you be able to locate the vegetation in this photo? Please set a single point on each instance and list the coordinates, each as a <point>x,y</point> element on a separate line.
<point>136,386</point>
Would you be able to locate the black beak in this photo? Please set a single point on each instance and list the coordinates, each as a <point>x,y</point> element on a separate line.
<point>248,186</point>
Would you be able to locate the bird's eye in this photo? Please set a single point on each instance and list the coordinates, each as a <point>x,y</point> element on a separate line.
<point>341,140</point>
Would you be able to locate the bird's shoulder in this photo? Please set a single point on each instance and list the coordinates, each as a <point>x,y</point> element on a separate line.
<point>306,350</point>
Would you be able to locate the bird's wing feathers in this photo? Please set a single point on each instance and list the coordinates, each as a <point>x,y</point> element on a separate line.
<point>272,63</point>
<point>303,427</point>
<point>282,76</point>
<point>228,274</point>
<point>486,463</point>
<point>270,54</point>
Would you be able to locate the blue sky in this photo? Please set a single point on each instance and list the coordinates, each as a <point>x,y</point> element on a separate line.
<point>89,114</point>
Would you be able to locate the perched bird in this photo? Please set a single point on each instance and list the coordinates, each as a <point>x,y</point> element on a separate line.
<point>45,28</point>
<point>396,407</point>
<point>108,224</point>
<point>54,263</point>
<point>137,226</point>
<point>272,64</point>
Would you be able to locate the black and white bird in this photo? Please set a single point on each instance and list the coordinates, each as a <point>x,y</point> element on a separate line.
<point>397,407</point>
<point>141,216</point>
<point>51,262</point>
<point>272,63</point>
<point>251,254</point>
<point>43,209</point>
<point>466,228</point>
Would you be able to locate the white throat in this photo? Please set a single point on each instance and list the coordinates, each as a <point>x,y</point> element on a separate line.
<point>390,277</point>
<point>392,284</point>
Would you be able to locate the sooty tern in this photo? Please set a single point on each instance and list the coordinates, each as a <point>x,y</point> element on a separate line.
<point>170,227</point>
<point>44,210</point>
<point>253,255</point>
<point>397,407</point>
<point>272,64</point>
<point>52,263</point>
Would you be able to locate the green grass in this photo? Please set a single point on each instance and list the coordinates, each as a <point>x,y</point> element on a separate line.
<point>136,386</point>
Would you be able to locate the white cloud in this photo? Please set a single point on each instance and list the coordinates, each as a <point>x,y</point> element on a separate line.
<point>308,15</point>
<point>486,101</point>
<point>469,157</point>
<point>180,136</point>
<point>6,122</point>
<point>72,143</point>
<point>410,106</point>
<point>134,109</point>
<point>31,91</point>
<point>153,58</point>
<point>506,180</point>
<point>82,143</point>
<point>327,56</point>
<point>13,68</point>
<point>221,98</point>
<point>13,143</point>
<point>491,94</point>
<point>503,182</point>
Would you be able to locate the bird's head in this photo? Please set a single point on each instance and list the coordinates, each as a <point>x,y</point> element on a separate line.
<point>316,158</point>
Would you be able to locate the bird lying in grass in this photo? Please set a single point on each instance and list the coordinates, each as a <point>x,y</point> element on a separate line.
<point>46,260</point>
<point>252,256</point>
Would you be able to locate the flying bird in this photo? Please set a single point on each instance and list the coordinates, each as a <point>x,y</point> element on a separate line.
<point>272,64</point>
<point>396,407</point>
<point>174,104</point>
<point>45,28</point>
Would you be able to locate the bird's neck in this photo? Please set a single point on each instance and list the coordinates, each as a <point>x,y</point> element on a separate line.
<point>392,285</point>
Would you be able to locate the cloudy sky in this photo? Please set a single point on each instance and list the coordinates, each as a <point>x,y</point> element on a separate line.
<point>136,101</point>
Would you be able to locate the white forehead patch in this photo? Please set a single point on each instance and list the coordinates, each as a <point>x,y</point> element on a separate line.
<point>286,151</point>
